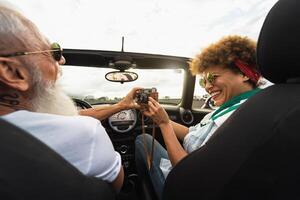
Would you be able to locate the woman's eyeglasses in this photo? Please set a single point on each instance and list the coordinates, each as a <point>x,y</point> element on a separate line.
<point>208,78</point>
<point>56,52</point>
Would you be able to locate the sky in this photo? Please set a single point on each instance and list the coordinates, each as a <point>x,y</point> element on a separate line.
<point>169,27</point>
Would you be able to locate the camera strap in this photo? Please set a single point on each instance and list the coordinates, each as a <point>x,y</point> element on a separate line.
<point>149,156</point>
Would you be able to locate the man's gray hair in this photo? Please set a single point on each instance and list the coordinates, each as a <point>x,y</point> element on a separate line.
<point>17,33</point>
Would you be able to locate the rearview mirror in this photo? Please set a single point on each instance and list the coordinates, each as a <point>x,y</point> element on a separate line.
<point>121,76</point>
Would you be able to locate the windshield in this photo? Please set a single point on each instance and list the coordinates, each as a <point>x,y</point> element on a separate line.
<point>89,84</point>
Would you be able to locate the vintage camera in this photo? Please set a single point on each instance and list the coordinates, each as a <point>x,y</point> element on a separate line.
<point>143,95</point>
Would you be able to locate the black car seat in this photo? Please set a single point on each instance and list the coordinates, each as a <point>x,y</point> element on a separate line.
<point>30,170</point>
<point>256,153</point>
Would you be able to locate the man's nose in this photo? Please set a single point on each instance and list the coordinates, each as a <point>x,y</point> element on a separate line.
<point>62,61</point>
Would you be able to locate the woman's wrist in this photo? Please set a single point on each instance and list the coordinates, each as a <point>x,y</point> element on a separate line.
<point>165,125</point>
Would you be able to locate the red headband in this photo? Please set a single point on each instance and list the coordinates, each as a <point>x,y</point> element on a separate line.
<point>248,70</point>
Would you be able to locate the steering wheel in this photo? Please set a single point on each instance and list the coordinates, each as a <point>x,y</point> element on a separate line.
<point>82,104</point>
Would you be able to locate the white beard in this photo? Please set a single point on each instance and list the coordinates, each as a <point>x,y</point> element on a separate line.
<point>50,98</point>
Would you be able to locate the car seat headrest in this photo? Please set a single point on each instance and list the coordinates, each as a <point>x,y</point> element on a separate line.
<point>278,47</point>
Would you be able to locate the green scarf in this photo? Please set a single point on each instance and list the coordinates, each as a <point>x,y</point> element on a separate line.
<point>231,104</point>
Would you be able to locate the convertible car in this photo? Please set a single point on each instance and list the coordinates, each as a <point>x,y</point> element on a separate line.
<point>233,165</point>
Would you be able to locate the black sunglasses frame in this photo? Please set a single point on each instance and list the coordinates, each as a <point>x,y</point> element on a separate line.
<point>56,52</point>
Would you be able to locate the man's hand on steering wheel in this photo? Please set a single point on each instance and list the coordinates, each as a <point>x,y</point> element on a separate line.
<point>128,101</point>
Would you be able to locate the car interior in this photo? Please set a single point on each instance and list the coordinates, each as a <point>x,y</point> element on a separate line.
<point>254,155</point>
<point>124,126</point>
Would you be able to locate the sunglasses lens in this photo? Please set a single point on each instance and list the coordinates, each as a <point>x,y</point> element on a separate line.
<point>207,78</point>
<point>211,78</point>
<point>57,53</point>
<point>202,82</point>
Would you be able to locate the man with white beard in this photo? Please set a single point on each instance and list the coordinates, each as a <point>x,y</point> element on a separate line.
<point>31,99</point>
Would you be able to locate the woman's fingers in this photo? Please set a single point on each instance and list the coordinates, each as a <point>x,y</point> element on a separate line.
<point>153,107</point>
<point>153,101</point>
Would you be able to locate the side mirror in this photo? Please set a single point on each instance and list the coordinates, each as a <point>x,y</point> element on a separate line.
<point>121,76</point>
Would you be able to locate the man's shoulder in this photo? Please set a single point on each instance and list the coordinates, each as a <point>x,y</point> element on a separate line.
<point>34,119</point>
<point>42,116</point>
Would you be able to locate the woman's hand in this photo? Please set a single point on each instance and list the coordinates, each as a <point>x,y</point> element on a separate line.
<point>156,112</point>
<point>128,101</point>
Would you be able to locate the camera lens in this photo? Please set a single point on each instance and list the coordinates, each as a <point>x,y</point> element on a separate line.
<point>144,98</point>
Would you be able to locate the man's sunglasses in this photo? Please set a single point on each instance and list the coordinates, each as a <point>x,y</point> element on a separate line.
<point>56,52</point>
<point>208,78</point>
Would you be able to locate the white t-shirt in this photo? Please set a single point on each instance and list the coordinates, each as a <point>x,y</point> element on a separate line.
<point>80,140</point>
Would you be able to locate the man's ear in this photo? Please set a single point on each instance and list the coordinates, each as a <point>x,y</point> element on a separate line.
<point>14,74</point>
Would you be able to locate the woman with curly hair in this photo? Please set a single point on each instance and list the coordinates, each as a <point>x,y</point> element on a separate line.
<point>229,74</point>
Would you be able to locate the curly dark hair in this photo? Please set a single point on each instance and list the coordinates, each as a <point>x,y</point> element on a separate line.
<point>224,53</point>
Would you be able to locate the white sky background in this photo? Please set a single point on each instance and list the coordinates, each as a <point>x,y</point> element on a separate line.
<point>170,27</point>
